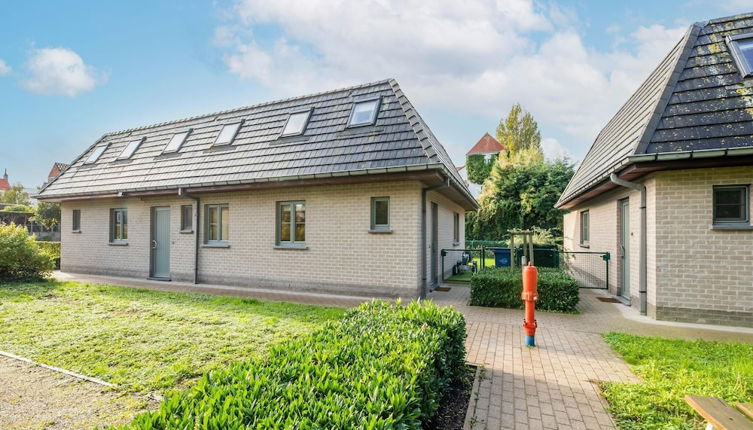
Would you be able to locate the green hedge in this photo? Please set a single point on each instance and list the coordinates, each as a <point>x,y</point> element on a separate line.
<point>21,258</point>
<point>382,366</point>
<point>501,288</point>
<point>51,248</point>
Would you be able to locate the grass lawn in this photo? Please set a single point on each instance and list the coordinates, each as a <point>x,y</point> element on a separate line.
<point>670,369</point>
<point>143,340</point>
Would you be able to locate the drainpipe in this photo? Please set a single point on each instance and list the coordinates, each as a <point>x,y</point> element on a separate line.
<point>182,192</point>
<point>424,192</point>
<point>644,237</point>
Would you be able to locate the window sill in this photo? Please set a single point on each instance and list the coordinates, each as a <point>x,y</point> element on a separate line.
<point>455,243</point>
<point>118,243</point>
<point>76,231</point>
<point>584,245</point>
<point>216,245</point>
<point>380,231</point>
<point>731,226</point>
<point>185,231</point>
<point>293,247</point>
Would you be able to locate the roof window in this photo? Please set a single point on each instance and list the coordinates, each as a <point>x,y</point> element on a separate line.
<point>296,123</point>
<point>364,113</point>
<point>176,142</point>
<point>130,149</point>
<point>96,154</point>
<point>228,133</point>
<point>741,46</point>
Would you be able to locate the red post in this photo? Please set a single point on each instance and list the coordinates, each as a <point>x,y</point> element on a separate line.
<point>530,295</point>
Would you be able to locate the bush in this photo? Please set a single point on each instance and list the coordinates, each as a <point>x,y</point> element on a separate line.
<point>51,248</point>
<point>501,288</point>
<point>382,366</point>
<point>21,258</point>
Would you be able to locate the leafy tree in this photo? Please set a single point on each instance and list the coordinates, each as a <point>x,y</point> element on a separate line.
<point>20,208</point>
<point>519,132</point>
<point>479,167</point>
<point>47,214</point>
<point>16,195</point>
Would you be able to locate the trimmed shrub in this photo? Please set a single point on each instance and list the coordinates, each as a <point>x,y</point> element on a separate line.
<point>501,288</point>
<point>51,248</point>
<point>381,366</point>
<point>21,258</point>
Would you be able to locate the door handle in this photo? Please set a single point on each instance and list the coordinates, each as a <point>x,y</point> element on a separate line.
<point>154,244</point>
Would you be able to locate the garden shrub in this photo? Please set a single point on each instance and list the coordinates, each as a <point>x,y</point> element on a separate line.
<point>501,288</point>
<point>51,248</point>
<point>21,258</point>
<point>381,366</point>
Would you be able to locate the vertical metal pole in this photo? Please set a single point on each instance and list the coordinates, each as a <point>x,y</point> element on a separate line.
<point>530,249</point>
<point>606,261</point>
<point>441,275</point>
<point>483,257</point>
<point>512,250</point>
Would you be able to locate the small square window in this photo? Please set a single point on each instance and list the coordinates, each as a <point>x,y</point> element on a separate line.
<point>380,213</point>
<point>731,204</point>
<point>741,46</point>
<point>118,225</point>
<point>186,219</point>
<point>176,142</point>
<point>585,228</point>
<point>228,133</point>
<point>291,223</point>
<point>130,149</point>
<point>217,224</point>
<point>76,221</point>
<point>456,227</point>
<point>96,154</point>
<point>364,113</point>
<point>296,123</point>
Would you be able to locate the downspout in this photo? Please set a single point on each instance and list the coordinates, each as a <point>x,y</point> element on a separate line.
<point>643,265</point>
<point>182,192</point>
<point>424,193</point>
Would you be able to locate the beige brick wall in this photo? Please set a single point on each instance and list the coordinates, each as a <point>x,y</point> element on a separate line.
<point>342,255</point>
<point>697,267</point>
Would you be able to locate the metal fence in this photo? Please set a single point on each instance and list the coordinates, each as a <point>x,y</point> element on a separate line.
<point>589,268</point>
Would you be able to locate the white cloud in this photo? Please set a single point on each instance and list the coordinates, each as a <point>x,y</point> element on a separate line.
<point>60,71</point>
<point>4,68</point>
<point>553,150</point>
<point>477,56</point>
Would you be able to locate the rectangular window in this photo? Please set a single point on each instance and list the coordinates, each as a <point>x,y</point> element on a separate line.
<point>228,133</point>
<point>741,47</point>
<point>186,218</point>
<point>76,221</point>
<point>291,223</point>
<point>217,223</point>
<point>456,227</point>
<point>118,225</point>
<point>130,149</point>
<point>380,213</point>
<point>94,156</point>
<point>731,205</point>
<point>296,123</point>
<point>585,228</point>
<point>176,142</point>
<point>364,113</point>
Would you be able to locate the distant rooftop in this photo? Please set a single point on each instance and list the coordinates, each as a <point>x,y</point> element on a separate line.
<point>487,145</point>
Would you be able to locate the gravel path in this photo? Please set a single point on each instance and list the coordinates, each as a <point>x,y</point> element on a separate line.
<point>33,397</point>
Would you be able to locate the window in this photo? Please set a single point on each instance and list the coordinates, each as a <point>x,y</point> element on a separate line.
<point>186,221</point>
<point>95,154</point>
<point>217,224</point>
<point>380,214</point>
<point>130,149</point>
<point>176,142</point>
<point>291,223</point>
<point>118,225</point>
<point>741,46</point>
<point>731,204</point>
<point>364,113</point>
<point>456,227</point>
<point>585,228</point>
<point>296,123</point>
<point>76,221</point>
<point>228,133</point>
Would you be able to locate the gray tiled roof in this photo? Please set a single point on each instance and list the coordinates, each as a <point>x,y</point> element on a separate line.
<point>696,99</point>
<point>399,140</point>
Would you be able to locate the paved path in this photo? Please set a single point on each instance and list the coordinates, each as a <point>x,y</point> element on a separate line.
<point>552,386</point>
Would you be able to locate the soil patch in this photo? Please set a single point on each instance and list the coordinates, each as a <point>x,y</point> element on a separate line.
<point>451,413</point>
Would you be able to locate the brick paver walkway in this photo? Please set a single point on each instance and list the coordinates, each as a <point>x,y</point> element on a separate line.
<point>552,386</point>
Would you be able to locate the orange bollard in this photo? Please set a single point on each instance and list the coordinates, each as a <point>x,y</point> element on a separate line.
<point>530,295</point>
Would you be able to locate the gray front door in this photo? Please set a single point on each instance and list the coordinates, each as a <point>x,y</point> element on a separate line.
<point>434,243</point>
<point>160,243</point>
<point>624,249</point>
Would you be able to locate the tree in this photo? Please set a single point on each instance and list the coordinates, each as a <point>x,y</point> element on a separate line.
<point>16,195</point>
<point>519,132</point>
<point>47,214</point>
<point>479,167</point>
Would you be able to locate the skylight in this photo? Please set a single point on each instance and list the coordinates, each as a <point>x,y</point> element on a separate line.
<point>741,46</point>
<point>364,113</point>
<point>95,154</point>
<point>228,133</point>
<point>296,123</point>
<point>130,149</point>
<point>176,142</point>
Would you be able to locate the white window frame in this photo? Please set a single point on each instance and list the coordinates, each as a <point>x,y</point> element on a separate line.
<point>290,242</point>
<point>374,114</point>
<point>585,239</point>
<point>455,228</point>
<point>185,135</point>
<point>306,112</point>
<point>76,221</point>
<point>123,222</point>
<point>96,153</point>
<point>220,240</point>
<point>135,145</point>
<point>238,125</point>
<point>745,68</point>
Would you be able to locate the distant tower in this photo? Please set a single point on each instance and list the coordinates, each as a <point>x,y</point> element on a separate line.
<point>5,175</point>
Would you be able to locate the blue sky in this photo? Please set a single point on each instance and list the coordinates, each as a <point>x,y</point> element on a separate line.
<point>71,71</point>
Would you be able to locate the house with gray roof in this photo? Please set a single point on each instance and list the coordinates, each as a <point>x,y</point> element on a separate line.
<point>344,191</point>
<point>666,185</point>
